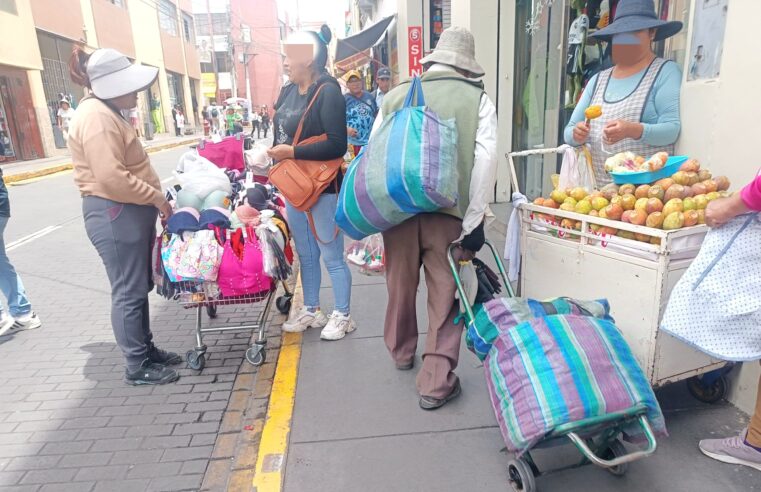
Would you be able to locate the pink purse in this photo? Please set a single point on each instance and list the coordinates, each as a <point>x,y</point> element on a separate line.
<point>241,271</point>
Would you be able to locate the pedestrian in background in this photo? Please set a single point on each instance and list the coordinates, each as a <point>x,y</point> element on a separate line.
<point>384,85</point>
<point>256,121</point>
<point>180,118</point>
<point>64,116</point>
<point>121,199</point>
<point>174,121</point>
<point>306,56</point>
<point>744,449</point>
<point>265,124</point>
<point>425,239</point>
<point>20,315</point>
<point>360,111</point>
<point>134,119</point>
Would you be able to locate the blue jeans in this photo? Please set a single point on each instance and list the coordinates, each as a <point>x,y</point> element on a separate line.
<point>310,250</point>
<point>10,283</point>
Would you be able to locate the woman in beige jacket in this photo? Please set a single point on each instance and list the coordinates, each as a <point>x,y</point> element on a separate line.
<point>121,198</point>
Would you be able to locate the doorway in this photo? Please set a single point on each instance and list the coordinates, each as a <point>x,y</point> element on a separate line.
<point>19,133</point>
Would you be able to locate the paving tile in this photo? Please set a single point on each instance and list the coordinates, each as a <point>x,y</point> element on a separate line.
<point>150,430</point>
<point>68,487</point>
<point>195,428</point>
<point>185,454</point>
<point>124,444</point>
<point>10,477</point>
<point>194,467</point>
<point>85,459</point>
<point>48,476</point>
<point>122,486</point>
<point>180,482</point>
<point>102,433</point>
<point>95,473</point>
<point>154,470</point>
<point>14,450</point>
<point>165,442</point>
<point>32,463</point>
<point>135,457</point>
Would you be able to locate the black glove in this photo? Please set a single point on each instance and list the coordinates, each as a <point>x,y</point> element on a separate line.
<point>475,240</point>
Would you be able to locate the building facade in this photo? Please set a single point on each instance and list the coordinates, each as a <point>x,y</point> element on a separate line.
<point>34,72</point>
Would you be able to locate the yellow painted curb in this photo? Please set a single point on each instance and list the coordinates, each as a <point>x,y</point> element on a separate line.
<point>273,446</point>
<point>46,171</point>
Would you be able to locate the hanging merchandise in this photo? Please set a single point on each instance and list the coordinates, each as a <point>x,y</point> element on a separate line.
<point>272,242</point>
<point>200,257</point>
<point>241,271</point>
<point>577,40</point>
<point>534,24</point>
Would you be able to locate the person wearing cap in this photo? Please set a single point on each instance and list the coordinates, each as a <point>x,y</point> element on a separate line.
<point>639,95</point>
<point>306,57</point>
<point>384,85</point>
<point>265,121</point>
<point>64,116</point>
<point>121,199</point>
<point>425,238</point>
<point>360,111</point>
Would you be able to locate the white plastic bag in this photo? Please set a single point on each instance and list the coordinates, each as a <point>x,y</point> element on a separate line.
<point>257,160</point>
<point>200,176</point>
<point>576,170</point>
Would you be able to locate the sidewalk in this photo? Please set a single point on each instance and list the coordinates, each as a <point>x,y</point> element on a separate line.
<point>23,170</point>
<point>357,426</point>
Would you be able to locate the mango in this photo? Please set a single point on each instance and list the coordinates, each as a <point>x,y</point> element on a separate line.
<point>579,193</point>
<point>637,217</point>
<point>681,178</point>
<point>628,201</point>
<point>691,218</point>
<point>713,196</point>
<point>664,183</point>
<point>583,207</point>
<point>692,178</point>
<point>701,216</point>
<point>627,189</point>
<point>550,203</point>
<point>656,191</point>
<point>675,191</point>
<point>711,185</point>
<point>655,220</point>
<point>704,174</point>
<point>653,205</point>
<point>559,196</point>
<point>690,166</point>
<point>689,204</point>
<point>609,191</point>
<point>568,207</point>
<point>675,205</point>
<point>572,201</point>
<point>599,202</point>
<point>641,204</point>
<point>641,191</point>
<point>722,183</point>
<point>614,211</point>
<point>626,234</point>
<point>675,220</point>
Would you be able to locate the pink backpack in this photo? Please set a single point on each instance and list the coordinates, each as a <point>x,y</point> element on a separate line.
<point>241,271</point>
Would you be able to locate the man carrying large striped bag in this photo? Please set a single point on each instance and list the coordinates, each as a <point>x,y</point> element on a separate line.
<point>452,93</point>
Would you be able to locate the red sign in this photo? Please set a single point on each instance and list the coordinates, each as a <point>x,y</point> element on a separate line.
<point>415,49</point>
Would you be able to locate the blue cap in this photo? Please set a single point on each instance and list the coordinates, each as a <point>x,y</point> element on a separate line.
<point>384,73</point>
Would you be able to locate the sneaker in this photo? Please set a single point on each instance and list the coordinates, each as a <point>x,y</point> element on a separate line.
<point>305,319</point>
<point>430,403</point>
<point>151,373</point>
<point>732,450</point>
<point>158,356</point>
<point>338,326</point>
<point>6,323</point>
<point>27,322</point>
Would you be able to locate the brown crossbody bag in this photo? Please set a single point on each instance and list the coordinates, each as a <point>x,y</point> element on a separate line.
<point>302,181</point>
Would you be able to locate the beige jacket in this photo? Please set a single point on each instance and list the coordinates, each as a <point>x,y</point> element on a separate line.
<point>109,160</point>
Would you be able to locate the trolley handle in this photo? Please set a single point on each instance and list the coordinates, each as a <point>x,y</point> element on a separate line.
<point>461,290</point>
<point>628,458</point>
<point>527,153</point>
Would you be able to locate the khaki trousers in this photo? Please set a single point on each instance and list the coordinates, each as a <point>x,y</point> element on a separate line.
<point>423,240</point>
<point>754,430</point>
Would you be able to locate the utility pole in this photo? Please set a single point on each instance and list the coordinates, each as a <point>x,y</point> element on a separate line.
<point>213,53</point>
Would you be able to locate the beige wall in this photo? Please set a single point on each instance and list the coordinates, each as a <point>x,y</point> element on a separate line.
<point>113,26</point>
<point>61,17</point>
<point>720,127</point>
<point>23,52</point>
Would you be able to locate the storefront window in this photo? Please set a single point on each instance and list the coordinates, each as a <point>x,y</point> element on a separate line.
<point>175,89</point>
<point>707,39</point>
<point>56,81</point>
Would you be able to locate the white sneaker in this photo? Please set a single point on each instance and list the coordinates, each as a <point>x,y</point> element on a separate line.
<point>338,326</point>
<point>6,323</point>
<point>304,319</point>
<point>27,322</point>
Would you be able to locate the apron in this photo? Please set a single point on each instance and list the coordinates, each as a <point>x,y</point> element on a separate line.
<point>631,108</point>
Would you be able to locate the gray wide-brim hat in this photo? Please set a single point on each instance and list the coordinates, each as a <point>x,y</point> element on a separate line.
<point>456,48</point>
<point>112,75</point>
<point>637,15</point>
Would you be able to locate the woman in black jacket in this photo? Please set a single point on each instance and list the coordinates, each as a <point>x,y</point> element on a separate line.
<point>306,56</point>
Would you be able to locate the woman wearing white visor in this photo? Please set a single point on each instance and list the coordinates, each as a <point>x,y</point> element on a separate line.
<point>121,198</point>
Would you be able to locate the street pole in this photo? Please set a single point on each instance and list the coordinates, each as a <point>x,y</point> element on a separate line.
<point>248,79</point>
<point>213,53</point>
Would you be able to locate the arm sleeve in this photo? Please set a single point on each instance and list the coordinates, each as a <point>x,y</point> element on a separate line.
<point>104,151</point>
<point>484,173</point>
<point>665,96</point>
<point>578,113</point>
<point>332,118</point>
<point>751,194</point>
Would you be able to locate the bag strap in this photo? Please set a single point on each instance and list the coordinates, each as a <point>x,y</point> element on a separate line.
<point>297,136</point>
<point>415,94</point>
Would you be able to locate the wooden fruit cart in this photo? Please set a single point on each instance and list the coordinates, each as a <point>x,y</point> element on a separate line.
<point>636,278</point>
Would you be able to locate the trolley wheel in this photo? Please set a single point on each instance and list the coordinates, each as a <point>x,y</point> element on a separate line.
<point>283,304</point>
<point>521,476</point>
<point>195,360</point>
<point>615,450</point>
<point>211,310</point>
<point>707,393</point>
<point>256,355</point>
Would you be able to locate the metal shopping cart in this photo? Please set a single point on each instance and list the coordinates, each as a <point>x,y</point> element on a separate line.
<point>597,438</point>
<point>205,296</point>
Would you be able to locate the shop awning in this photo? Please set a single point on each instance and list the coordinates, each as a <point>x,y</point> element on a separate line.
<point>354,51</point>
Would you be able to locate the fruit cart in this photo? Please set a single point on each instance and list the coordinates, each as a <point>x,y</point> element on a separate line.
<point>636,277</point>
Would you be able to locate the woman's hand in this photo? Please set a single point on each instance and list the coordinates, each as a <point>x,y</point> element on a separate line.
<point>165,211</point>
<point>281,152</point>
<point>581,132</point>
<point>722,210</point>
<point>352,132</point>
<point>617,130</point>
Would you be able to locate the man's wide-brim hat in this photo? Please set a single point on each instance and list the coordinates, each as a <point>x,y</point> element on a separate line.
<point>456,48</point>
<point>112,75</point>
<point>638,15</point>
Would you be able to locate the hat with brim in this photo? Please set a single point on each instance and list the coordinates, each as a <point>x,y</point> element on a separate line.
<point>637,15</point>
<point>112,75</point>
<point>351,74</point>
<point>456,48</point>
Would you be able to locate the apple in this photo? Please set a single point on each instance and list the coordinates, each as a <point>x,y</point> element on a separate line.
<point>609,191</point>
<point>701,216</point>
<point>681,178</point>
<point>643,238</point>
<point>626,234</point>
<point>614,211</point>
<point>713,196</point>
<point>704,174</point>
<point>550,203</point>
<point>692,178</point>
<point>625,217</point>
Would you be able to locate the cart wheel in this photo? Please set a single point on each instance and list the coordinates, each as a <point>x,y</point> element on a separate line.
<point>707,393</point>
<point>283,304</point>
<point>195,360</point>
<point>521,476</point>
<point>616,450</point>
<point>211,310</point>
<point>256,355</point>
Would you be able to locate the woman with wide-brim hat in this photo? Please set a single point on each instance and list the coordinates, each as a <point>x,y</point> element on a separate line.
<point>639,95</point>
<point>121,199</point>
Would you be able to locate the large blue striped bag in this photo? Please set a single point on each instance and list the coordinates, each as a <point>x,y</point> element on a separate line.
<point>408,167</point>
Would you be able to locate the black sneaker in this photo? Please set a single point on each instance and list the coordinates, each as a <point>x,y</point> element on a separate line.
<point>151,373</point>
<point>430,403</point>
<point>158,356</point>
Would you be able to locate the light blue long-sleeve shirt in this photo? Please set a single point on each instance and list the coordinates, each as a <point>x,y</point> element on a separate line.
<point>661,116</point>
